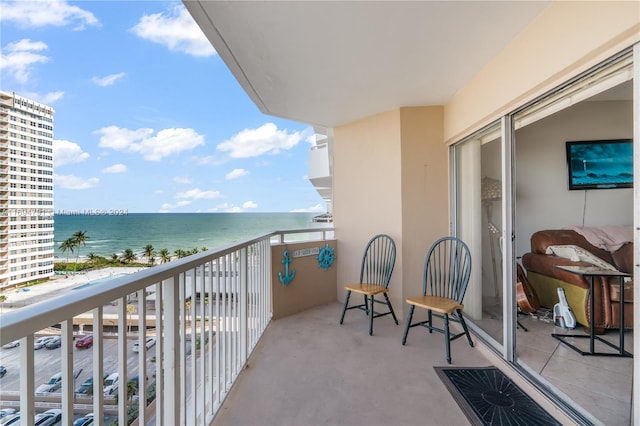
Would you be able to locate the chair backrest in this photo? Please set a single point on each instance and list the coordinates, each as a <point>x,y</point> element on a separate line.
<point>378,260</point>
<point>447,269</point>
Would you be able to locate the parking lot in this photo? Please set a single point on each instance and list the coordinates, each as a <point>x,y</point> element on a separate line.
<point>48,363</point>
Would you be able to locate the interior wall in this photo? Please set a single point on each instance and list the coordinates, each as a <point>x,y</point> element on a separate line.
<point>425,194</point>
<point>367,195</point>
<point>567,38</point>
<point>543,200</point>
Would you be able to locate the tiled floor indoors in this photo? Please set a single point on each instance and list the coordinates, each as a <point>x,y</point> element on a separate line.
<point>601,383</point>
<point>310,370</point>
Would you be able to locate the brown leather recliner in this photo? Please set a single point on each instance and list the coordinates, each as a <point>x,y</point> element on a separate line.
<point>546,279</point>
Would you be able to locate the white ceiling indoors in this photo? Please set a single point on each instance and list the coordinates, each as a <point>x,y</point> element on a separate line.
<point>331,62</point>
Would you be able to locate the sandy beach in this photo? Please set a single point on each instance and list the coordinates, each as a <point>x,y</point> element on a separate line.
<point>58,285</point>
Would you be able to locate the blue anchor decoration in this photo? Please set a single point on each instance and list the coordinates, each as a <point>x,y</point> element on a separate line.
<point>326,257</point>
<point>286,278</point>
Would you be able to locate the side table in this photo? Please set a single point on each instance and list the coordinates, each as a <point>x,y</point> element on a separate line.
<point>591,272</point>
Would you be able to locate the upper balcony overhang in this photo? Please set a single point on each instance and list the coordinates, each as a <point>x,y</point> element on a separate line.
<point>330,63</point>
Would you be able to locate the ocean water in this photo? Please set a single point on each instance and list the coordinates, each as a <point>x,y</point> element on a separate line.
<point>110,234</point>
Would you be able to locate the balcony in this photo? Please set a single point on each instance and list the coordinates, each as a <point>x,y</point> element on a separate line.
<point>206,313</point>
<point>233,345</point>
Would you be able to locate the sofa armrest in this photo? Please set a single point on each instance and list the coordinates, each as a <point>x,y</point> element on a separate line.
<point>546,265</point>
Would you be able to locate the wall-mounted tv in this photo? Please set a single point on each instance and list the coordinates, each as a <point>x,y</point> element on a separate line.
<point>600,164</point>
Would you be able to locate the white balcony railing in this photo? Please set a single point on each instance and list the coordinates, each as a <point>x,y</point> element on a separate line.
<point>206,313</point>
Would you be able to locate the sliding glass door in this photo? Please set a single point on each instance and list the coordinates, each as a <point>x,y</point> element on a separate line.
<point>478,196</point>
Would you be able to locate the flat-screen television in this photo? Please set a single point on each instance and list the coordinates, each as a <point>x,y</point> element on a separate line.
<point>600,164</point>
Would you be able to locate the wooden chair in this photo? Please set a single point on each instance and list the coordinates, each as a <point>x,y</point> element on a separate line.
<point>378,261</point>
<point>447,270</point>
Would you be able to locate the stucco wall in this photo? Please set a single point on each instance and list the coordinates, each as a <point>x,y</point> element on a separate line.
<point>402,191</point>
<point>566,39</point>
<point>311,286</point>
<point>425,193</point>
<point>367,194</point>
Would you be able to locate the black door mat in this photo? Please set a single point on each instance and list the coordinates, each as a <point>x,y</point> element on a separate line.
<point>488,397</point>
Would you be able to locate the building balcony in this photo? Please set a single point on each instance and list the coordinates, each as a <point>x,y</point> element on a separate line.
<point>231,345</point>
<point>206,314</point>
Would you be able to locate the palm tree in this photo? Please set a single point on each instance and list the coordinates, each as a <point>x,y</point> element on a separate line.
<point>130,310</point>
<point>149,252</point>
<point>3,298</point>
<point>129,256</point>
<point>179,253</point>
<point>67,245</point>
<point>114,257</point>
<point>164,255</point>
<point>79,239</point>
<point>93,258</point>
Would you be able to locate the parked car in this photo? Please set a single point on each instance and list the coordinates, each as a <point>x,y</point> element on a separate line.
<point>6,412</point>
<point>85,341</point>
<point>54,343</point>
<point>149,342</point>
<point>110,384</point>
<point>84,421</point>
<point>3,371</point>
<point>87,386</point>
<point>49,417</point>
<point>52,385</point>
<point>12,419</point>
<point>13,344</point>
<point>42,341</point>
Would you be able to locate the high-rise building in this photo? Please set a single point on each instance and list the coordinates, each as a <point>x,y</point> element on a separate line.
<point>26,190</point>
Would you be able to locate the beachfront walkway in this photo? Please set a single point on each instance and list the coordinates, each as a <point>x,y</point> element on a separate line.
<point>58,285</point>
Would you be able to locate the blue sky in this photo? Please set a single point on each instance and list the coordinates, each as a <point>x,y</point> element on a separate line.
<point>148,117</point>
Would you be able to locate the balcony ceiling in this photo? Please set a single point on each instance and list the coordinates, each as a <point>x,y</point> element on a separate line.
<point>331,62</point>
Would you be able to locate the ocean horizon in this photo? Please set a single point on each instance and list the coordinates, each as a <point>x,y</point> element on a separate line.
<point>114,233</point>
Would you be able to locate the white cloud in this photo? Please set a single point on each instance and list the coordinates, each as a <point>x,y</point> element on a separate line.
<point>116,168</point>
<point>249,205</point>
<point>67,152</point>
<point>318,208</point>
<point>182,179</point>
<point>107,80</point>
<point>235,174</point>
<point>234,209</point>
<point>47,98</point>
<point>42,13</point>
<point>175,29</point>
<point>165,143</point>
<point>208,160</point>
<point>198,194</point>
<point>74,182</point>
<point>266,139</point>
<point>166,206</point>
<point>18,58</point>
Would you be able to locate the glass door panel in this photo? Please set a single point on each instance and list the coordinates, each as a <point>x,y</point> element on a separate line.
<point>478,220</point>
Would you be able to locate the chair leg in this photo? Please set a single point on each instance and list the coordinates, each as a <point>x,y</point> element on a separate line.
<point>408,324</point>
<point>393,314</point>
<point>346,303</point>
<point>429,319</point>
<point>371,317</point>
<point>447,338</point>
<point>464,327</point>
<point>366,305</point>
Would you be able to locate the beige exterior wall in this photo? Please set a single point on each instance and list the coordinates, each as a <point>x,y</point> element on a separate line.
<point>425,193</point>
<point>402,192</point>
<point>568,38</point>
<point>311,286</point>
<point>367,176</point>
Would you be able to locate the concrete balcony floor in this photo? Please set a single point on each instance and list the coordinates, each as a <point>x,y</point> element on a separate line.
<point>310,370</point>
